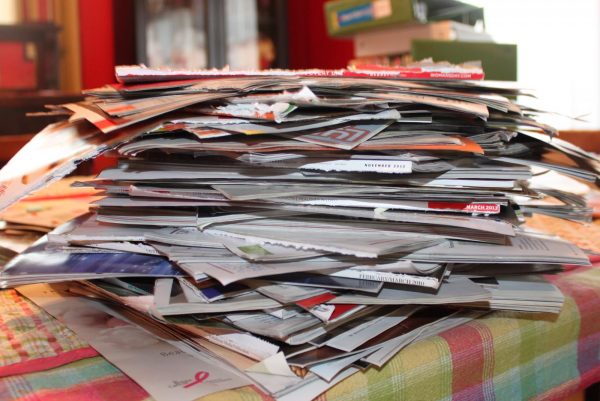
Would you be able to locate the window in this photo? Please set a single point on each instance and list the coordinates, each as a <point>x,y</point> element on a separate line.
<point>558,52</point>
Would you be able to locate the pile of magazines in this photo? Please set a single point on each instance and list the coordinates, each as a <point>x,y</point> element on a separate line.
<point>287,229</point>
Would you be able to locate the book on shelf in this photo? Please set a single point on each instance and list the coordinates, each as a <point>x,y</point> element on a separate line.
<point>398,39</point>
<point>348,17</point>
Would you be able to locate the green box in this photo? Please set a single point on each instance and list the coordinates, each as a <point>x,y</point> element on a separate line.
<point>347,17</point>
<point>499,61</point>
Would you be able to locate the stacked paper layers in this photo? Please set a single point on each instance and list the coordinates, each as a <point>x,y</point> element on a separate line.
<point>288,228</point>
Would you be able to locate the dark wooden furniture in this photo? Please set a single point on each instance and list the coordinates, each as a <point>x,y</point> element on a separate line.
<point>16,128</point>
<point>44,36</point>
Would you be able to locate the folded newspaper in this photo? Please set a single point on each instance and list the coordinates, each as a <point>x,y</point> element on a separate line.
<point>284,229</point>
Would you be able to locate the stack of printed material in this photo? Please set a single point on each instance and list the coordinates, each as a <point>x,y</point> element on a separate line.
<point>289,228</point>
<point>48,208</point>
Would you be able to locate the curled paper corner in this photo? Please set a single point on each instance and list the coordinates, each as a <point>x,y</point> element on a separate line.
<point>378,212</point>
<point>274,365</point>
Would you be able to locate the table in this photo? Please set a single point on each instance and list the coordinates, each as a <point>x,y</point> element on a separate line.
<point>501,356</point>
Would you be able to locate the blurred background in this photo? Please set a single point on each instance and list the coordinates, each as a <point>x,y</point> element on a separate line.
<point>52,49</point>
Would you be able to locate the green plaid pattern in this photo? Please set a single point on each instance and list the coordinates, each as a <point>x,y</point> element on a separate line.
<point>27,333</point>
<point>502,356</point>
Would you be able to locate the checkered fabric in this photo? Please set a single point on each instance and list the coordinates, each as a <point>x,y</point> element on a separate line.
<point>501,356</point>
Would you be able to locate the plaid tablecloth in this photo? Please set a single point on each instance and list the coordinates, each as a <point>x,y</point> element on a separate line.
<point>502,356</point>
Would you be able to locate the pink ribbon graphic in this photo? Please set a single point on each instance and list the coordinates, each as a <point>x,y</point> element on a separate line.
<point>198,378</point>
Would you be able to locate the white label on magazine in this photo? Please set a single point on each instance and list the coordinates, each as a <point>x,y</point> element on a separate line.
<point>372,166</point>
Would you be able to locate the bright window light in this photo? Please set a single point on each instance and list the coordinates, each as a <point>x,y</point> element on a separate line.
<point>558,45</point>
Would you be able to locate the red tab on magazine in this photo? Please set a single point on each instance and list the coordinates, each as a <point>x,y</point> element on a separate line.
<point>466,207</point>
<point>316,300</point>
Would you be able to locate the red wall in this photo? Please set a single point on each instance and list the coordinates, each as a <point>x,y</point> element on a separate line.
<point>97,35</point>
<point>309,44</point>
<point>97,41</point>
<point>106,28</point>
